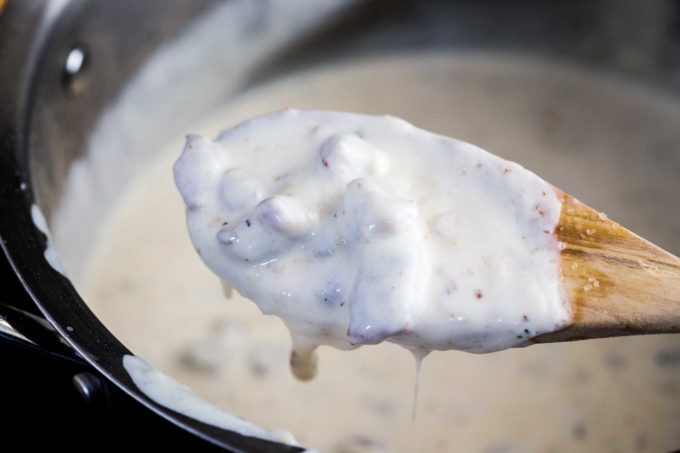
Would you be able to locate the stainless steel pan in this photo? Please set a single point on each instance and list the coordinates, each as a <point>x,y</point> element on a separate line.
<point>62,63</point>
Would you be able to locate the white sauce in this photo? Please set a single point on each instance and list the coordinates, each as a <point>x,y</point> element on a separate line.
<point>144,280</point>
<point>169,393</point>
<point>50,253</point>
<point>360,229</point>
<point>254,31</point>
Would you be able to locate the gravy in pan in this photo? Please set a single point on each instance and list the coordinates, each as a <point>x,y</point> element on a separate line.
<point>358,229</point>
<point>147,284</point>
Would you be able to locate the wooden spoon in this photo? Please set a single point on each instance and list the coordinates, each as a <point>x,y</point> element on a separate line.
<point>616,282</point>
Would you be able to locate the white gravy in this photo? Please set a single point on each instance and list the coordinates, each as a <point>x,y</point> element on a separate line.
<point>358,229</point>
<point>166,391</point>
<point>144,280</point>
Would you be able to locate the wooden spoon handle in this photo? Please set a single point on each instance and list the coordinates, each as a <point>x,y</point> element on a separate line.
<point>616,282</point>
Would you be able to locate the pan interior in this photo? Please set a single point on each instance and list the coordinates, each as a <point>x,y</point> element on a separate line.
<point>613,145</point>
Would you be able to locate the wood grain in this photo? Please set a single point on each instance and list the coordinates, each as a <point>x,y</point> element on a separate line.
<point>617,282</point>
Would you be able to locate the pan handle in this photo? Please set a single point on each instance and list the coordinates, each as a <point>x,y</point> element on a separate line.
<point>7,329</point>
<point>20,318</point>
<point>28,340</point>
<point>36,330</point>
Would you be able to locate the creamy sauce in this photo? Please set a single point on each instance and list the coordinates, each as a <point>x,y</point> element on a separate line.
<point>144,280</point>
<point>255,30</point>
<point>169,393</point>
<point>50,252</point>
<point>359,229</point>
<point>418,356</point>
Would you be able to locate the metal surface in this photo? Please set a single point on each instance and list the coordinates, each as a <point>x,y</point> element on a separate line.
<point>6,328</point>
<point>63,62</point>
<point>42,123</point>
